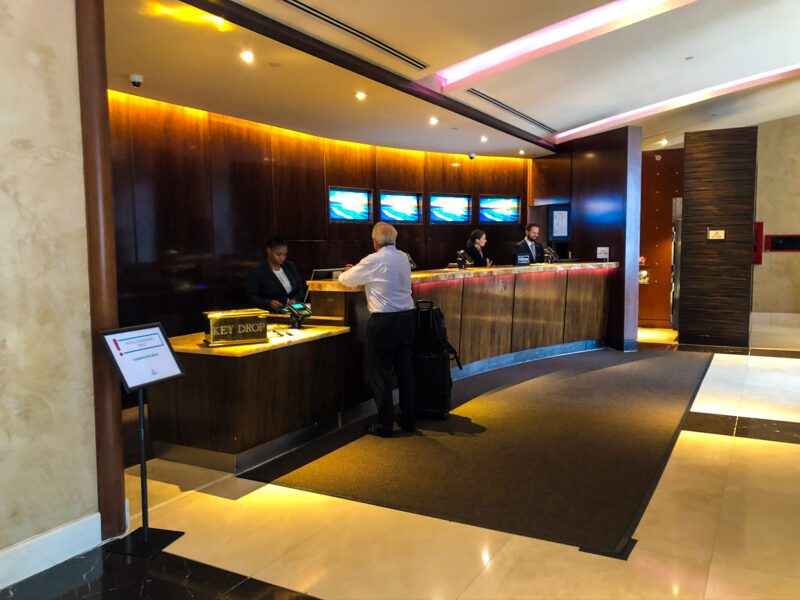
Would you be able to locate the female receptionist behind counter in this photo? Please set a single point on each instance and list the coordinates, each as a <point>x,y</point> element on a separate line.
<point>475,246</point>
<point>273,283</point>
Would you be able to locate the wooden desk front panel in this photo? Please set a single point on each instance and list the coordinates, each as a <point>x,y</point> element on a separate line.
<point>233,404</point>
<point>486,313</point>
<point>198,408</point>
<point>446,295</point>
<point>587,305</point>
<point>539,310</point>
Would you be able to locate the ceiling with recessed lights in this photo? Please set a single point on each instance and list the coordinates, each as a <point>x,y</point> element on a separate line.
<point>695,45</point>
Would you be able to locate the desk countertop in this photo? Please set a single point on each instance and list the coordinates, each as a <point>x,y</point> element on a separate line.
<point>280,336</point>
<point>448,274</point>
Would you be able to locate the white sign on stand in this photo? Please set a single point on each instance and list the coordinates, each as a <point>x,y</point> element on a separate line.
<point>142,354</point>
<point>602,253</point>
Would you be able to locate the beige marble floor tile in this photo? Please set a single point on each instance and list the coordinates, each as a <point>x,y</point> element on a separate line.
<point>229,528</point>
<point>763,465</point>
<point>166,481</point>
<point>721,390</point>
<point>374,552</point>
<point>759,531</point>
<point>703,456</point>
<point>743,584</point>
<point>528,568</point>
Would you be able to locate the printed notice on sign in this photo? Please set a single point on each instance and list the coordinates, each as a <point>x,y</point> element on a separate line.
<point>142,354</point>
<point>560,224</point>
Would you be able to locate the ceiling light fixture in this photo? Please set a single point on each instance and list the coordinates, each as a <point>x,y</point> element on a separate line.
<point>576,29</point>
<point>663,141</point>
<point>484,139</point>
<point>679,102</point>
<point>247,56</point>
<point>185,14</point>
<point>360,96</point>
<point>522,152</point>
<point>433,121</point>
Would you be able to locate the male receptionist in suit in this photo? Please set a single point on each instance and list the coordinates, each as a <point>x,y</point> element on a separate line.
<point>529,246</point>
<point>275,282</point>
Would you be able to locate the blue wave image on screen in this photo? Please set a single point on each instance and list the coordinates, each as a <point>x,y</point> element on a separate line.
<point>499,210</point>
<point>450,209</point>
<point>348,205</point>
<point>400,207</point>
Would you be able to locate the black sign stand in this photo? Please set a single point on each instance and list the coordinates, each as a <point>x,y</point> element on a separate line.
<point>144,542</point>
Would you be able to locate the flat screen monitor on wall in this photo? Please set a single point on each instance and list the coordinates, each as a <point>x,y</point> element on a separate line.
<point>400,208</point>
<point>346,205</point>
<point>496,209</point>
<point>450,209</point>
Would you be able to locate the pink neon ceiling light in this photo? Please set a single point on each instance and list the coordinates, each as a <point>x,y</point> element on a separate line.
<point>568,32</point>
<point>679,102</point>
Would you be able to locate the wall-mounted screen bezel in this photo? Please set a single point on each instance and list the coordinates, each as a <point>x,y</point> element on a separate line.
<point>484,211</point>
<point>339,217</point>
<point>388,217</point>
<point>438,221</point>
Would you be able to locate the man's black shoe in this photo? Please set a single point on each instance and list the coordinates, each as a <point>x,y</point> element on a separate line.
<point>379,430</point>
<point>406,427</point>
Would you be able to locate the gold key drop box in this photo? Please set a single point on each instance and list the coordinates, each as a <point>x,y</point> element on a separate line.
<point>232,327</point>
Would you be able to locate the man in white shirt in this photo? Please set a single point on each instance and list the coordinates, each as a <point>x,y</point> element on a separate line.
<point>386,277</point>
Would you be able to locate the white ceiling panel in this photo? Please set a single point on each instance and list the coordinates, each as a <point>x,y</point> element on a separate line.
<point>646,62</point>
<point>199,66</point>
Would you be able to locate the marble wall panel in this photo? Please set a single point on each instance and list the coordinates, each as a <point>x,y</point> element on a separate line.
<point>776,282</point>
<point>47,452</point>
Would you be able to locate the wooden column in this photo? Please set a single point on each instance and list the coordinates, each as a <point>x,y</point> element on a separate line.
<point>102,260</point>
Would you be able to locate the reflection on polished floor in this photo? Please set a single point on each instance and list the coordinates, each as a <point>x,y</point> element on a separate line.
<point>759,387</point>
<point>777,331</point>
<point>721,524</point>
<point>656,335</point>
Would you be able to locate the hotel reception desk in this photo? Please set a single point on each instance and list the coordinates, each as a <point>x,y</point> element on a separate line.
<point>490,313</point>
<point>237,406</point>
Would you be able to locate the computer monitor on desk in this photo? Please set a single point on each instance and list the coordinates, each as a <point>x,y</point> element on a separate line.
<point>322,274</point>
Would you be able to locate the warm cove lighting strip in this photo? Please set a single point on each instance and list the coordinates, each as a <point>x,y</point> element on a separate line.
<point>679,102</point>
<point>568,32</point>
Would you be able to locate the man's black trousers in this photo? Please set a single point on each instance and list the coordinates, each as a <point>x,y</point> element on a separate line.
<point>390,337</point>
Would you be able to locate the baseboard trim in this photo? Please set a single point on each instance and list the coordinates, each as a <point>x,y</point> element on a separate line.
<point>523,356</point>
<point>29,557</point>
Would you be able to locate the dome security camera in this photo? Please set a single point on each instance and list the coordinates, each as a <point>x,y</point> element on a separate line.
<point>136,80</point>
<point>471,155</point>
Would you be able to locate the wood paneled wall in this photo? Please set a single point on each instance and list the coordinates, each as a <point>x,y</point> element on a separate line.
<point>606,207</point>
<point>197,195</point>
<point>662,180</point>
<point>716,276</point>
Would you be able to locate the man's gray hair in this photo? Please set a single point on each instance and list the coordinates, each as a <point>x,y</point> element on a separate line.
<point>384,234</point>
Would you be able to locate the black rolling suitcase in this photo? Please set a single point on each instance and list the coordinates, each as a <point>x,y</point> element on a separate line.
<point>431,357</point>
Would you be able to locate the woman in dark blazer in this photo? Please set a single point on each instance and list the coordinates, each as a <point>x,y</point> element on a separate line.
<point>475,245</point>
<point>272,284</point>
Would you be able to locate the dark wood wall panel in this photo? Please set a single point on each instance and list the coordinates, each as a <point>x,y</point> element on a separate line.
<point>299,179</point>
<point>538,315</point>
<point>198,195</point>
<point>444,177</point>
<point>716,276</point>
<point>662,180</point>
<point>501,176</point>
<point>486,313</point>
<point>241,192</point>
<point>122,181</point>
<point>587,305</point>
<point>606,209</point>
<point>400,170</point>
<point>404,171</point>
<point>447,295</point>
